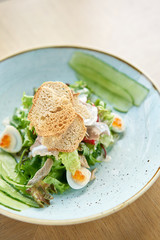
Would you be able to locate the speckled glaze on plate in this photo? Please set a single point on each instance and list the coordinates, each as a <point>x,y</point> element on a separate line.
<point>135,158</point>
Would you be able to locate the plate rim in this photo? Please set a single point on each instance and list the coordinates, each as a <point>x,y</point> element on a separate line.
<point>100,214</point>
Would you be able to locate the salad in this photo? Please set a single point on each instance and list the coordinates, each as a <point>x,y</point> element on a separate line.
<point>57,136</point>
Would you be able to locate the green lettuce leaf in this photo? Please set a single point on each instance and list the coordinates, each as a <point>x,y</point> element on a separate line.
<point>57,176</point>
<point>104,113</point>
<point>78,85</point>
<point>19,119</point>
<point>82,88</point>
<point>27,101</point>
<point>91,152</point>
<point>58,170</point>
<point>71,161</point>
<point>29,166</point>
<point>59,186</point>
<point>28,137</point>
<point>106,140</point>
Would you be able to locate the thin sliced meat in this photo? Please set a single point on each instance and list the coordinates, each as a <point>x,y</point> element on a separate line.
<point>41,150</point>
<point>41,173</point>
<point>94,131</point>
<point>93,174</point>
<point>103,127</point>
<point>36,143</point>
<point>38,149</point>
<point>83,161</point>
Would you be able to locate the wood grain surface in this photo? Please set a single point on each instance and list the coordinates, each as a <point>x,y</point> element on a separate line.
<point>127,28</point>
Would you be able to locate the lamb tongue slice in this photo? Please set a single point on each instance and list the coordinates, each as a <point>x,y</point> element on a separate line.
<point>42,172</point>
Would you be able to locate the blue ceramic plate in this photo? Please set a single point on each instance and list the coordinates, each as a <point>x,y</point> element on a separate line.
<point>135,158</point>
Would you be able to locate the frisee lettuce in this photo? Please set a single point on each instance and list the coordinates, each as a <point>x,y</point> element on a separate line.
<point>27,101</point>
<point>59,186</point>
<point>57,176</point>
<point>104,113</point>
<point>29,166</point>
<point>28,137</point>
<point>58,170</point>
<point>79,85</point>
<point>21,123</point>
<point>19,119</point>
<point>91,152</point>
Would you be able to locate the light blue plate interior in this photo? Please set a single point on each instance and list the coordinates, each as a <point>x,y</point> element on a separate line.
<point>135,158</point>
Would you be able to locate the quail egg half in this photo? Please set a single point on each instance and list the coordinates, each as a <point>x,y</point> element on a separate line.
<point>11,140</point>
<point>80,178</point>
<point>118,125</point>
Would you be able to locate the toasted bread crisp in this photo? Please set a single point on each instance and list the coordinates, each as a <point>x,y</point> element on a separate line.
<point>69,140</point>
<point>52,111</point>
<point>57,116</point>
<point>60,89</point>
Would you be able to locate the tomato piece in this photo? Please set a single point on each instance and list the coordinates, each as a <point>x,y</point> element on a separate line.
<point>93,142</point>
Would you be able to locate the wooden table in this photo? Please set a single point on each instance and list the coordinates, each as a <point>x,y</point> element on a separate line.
<point>129,29</point>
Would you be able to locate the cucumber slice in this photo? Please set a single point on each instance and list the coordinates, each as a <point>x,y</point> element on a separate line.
<point>98,79</point>
<point>8,163</point>
<point>116,96</point>
<point>117,102</point>
<point>11,203</point>
<point>135,89</point>
<point>12,192</point>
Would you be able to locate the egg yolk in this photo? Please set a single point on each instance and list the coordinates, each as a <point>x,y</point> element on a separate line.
<point>117,122</point>
<point>78,176</point>
<point>5,141</point>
